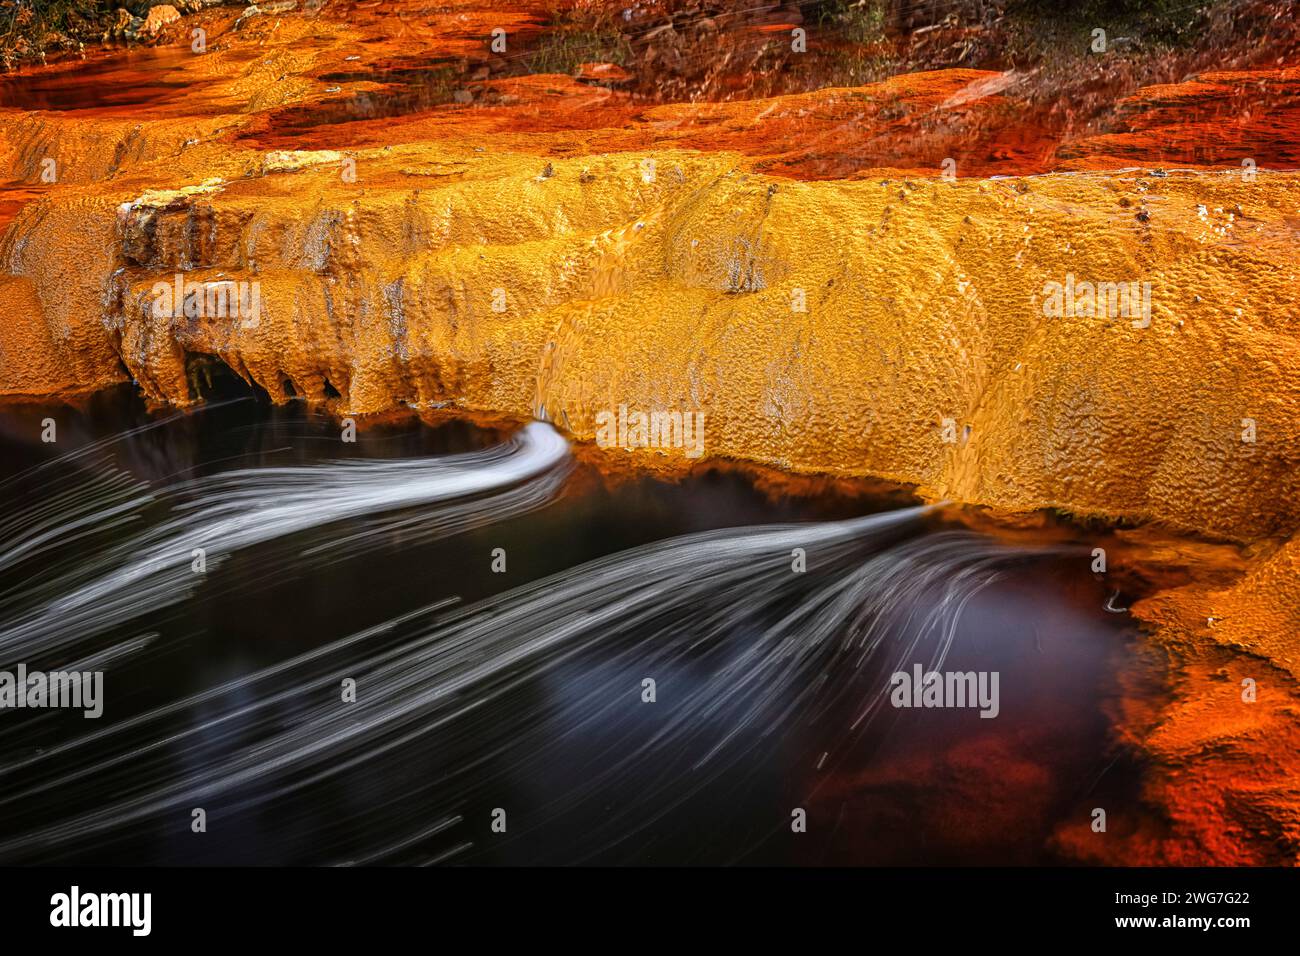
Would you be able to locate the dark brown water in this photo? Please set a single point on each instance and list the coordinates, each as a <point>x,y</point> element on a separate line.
<point>110,81</point>
<point>562,741</point>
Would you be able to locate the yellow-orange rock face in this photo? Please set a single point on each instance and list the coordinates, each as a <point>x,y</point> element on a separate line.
<point>891,327</point>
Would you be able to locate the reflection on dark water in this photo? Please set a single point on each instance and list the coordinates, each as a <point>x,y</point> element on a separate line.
<point>561,740</point>
<point>311,125</point>
<point>110,82</point>
<point>13,197</point>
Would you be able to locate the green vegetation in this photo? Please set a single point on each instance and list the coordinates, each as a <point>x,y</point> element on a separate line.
<point>31,28</point>
<point>858,21</point>
<point>567,44</point>
<point>1166,22</point>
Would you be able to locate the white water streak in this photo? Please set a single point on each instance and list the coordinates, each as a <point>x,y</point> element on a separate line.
<point>228,512</point>
<point>780,647</point>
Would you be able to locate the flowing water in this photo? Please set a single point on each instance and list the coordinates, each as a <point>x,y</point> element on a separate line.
<point>521,689</point>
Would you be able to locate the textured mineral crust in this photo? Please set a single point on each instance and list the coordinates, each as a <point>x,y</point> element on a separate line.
<point>853,281</point>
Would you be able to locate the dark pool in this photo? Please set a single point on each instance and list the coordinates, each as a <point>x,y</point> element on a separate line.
<point>911,787</point>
